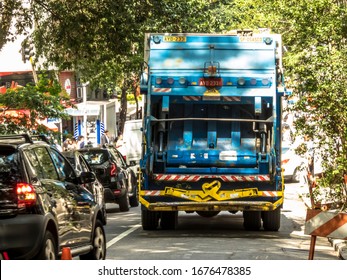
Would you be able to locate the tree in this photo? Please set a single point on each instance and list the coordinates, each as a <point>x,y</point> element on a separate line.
<point>106,44</point>
<point>104,41</point>
<point>22,108</point>
<point>317,64</point>
<point>7,8</point>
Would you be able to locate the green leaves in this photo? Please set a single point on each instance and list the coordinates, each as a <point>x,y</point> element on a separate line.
<point>24,107</point>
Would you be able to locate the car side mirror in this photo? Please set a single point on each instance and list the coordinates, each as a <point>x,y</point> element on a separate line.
<point>87,177</point>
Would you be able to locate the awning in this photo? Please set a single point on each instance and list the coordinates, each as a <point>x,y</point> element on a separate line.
<point>88,109</point>
<point>49,125</point>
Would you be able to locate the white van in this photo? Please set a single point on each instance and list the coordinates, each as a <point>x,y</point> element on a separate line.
<point>132,142</point>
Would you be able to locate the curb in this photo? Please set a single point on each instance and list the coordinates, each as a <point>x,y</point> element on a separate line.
<point>340,246</point>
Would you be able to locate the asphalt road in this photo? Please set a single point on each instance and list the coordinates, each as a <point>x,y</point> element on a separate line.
<point>218,238</point>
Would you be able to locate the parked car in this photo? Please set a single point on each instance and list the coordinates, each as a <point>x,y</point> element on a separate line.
<point>292,163</point>
<point>131,175</point>
<point>44,205</point>
<point>118,179</point>
<point>96,188</point>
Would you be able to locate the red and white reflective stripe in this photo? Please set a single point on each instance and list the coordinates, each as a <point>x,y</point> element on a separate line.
<point>272,194</point>
<point>248,178</point>
<point>175,177</point>
<point>231,98</point>
<point>225,178</point>
<point>191,98</point>
<point>161,89</point>
<point>326,224</point>
<point>151,193</point>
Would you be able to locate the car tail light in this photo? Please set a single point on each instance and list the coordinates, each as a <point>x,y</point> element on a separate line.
<point>113,169</point>
<point>117,192</point>
<point>26,195</point>
<point>285,161</point>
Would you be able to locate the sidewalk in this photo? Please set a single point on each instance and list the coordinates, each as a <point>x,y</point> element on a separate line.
<point>340,246</point>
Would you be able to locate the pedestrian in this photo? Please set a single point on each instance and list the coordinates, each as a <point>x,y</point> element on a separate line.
<point>80,142</point>
<point>105,138</point>
<point>69,145</point>
<point>119,142</point>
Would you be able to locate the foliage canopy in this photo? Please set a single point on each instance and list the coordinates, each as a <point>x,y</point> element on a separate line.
<point>103,41</point>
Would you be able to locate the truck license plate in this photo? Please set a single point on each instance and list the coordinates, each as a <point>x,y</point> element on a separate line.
<point>211,82</point>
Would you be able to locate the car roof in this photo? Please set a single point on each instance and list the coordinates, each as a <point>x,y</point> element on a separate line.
<point>16,139</point>
<point>21,140</point>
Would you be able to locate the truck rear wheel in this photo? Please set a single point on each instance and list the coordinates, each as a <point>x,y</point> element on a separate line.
<point>252,220</point>
<point>149,219</point>
<point>169,220</point>
<point>272,219</point>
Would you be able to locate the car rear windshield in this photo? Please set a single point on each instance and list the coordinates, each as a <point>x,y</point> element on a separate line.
<point>9,166</point>
<point>95,157</point>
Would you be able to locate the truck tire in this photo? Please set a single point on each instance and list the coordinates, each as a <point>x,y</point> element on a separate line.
<point>252,220</point>
<point>149,219</point>
<point>207,214</point>
<point>272,219</point>
<point>169,220</point>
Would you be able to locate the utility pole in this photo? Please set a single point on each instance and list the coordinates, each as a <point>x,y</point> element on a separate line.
<point>84,92</point>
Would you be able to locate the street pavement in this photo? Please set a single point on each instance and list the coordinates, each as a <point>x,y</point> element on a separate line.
<point>340,246</point>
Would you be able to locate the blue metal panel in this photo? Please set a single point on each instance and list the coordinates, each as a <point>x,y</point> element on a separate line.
<point>229,59</point>
<point>203,146</point>
<point>165,104</point>
<point>235,128</point>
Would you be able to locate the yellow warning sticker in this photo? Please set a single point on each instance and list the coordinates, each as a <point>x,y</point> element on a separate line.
<point>211,94</point>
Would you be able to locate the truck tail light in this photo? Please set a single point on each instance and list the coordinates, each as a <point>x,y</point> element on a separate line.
<point>182,81</point>
<point>26,195</point>
<point>170,81</point>
<point>113,169</point>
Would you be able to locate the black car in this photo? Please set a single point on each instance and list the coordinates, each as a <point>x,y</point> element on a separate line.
<point>96,188</point>
<point>118,179</point>
<point>44,205</point>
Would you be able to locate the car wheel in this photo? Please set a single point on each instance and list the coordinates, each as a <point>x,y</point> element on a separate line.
<point>99,244</point>
<point>124,202</point>
<point>49,248</point>
<point>134,199</point>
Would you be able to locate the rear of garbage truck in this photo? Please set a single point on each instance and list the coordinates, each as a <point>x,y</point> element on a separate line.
<point>212,128</point>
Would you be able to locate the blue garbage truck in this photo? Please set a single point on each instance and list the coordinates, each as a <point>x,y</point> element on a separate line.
<point>212,128</point>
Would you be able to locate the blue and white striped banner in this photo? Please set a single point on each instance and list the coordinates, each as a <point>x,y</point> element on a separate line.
<point>76,132</point>
<point>102,128</point>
